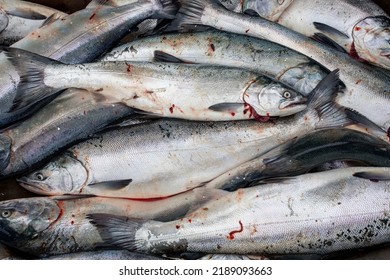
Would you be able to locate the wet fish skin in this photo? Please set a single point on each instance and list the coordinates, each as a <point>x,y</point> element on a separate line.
<point>64,40</point>
<point>305,153</point>
<point>164,89</point>
<point>46,226</point>
<point>364,84</point>
<point>19,18</point>
<point>105,255</point>
<point>269,9</point>
<point>231,50</point>
<point>53,130</point>
<point>361,28</point>
<point>167,144</point>
<point>321,213</point>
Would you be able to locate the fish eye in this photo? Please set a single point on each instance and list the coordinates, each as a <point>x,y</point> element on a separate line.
<point>6,213</point>
<point>39,176</point>
<point>287,94</point>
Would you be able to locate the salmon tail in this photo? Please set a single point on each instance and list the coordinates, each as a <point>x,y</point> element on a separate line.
<point>31,69</point>
<point>168,10</point>
<point>117,230</point>
<point>190,14</point>
<point>322,103</point>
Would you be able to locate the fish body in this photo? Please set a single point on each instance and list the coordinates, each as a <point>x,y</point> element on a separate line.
<point>44,226</point>
<point>19,18</point>
<point>192,92</point>
<point>304,154</point>
<point>364,84</point>
<point>105,255</point>
<point>359,27</point>
<point>231,50</point>
<point>145,159</point>
<point>76,38</point>
<point>320,213</point>
<point>53,129</point>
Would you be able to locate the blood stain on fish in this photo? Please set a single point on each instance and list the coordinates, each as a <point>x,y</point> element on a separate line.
<point>128,67</point>
<point>233,232</point>
<point>233,114</point>
<point>171,108</point>
<point>177,226</point>
<point>357,28</point>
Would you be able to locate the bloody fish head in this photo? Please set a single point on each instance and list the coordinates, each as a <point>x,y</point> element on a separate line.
<point>61,176</point>
<point>22,220</point>
<point>371,38</point>
<point>272,99</point>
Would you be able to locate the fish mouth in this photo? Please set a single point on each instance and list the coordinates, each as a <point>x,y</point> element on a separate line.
<point>297,103</point>
<point>33,186</point>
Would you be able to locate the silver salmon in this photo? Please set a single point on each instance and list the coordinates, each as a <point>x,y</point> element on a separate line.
<point>316,213</point>
<point>367,88</point>
<point>151,154</point>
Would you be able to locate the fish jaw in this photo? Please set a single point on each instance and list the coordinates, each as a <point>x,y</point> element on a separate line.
<point>22,220</point>
<point>293,106</point>
<point>62,176</point>
<point>372,40</point>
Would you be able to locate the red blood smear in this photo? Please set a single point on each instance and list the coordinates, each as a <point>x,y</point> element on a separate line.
<point>171,108</point>
<point>190,221</point>
<point>71,222</point>
<point>353,53</point>
<point>60,205</point>
<point>128,68</point>
<point>233,114</point>
<point>357,28</point>
<point>252,113</point>
<point>212,47</point>
<point>93,15</point>
<point>232,233</point>
<point>177,226</point>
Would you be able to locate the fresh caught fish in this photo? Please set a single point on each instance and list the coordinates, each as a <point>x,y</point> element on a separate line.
<point>142,161</point>
<point>304,154</point>
<point>367,88</point>
<point>105,255</point>
<point>226,49</point>
<point>166,89</point>
<point>43,226</point>
<point>315,213</point>
<point>73,116</point>
<point>80,37</point>
<point>268,9</point>
<point>19,18</point>
<point>361,28</point>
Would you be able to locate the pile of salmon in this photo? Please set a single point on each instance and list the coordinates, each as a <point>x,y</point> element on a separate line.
<point>160,129</point>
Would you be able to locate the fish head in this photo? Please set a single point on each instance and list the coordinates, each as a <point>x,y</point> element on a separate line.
<point>303,77</point>
<point>65,175</point>
<point>5,150</point>
<point>273,99</point>
<point>268,9</point>
<point>22,220</point>
<point>371,38</point>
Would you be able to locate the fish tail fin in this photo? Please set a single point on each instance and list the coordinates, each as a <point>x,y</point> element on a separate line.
<point>322,104</point>
<point>168,9</point>
<point>190,14</point>
<point>117,231</point>
<point>31,69</point>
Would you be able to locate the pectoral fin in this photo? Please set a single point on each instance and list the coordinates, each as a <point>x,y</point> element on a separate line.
<point>227,107</point>
<point>330,31</point>
<point>378,175</point>
<point>112,185</point>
